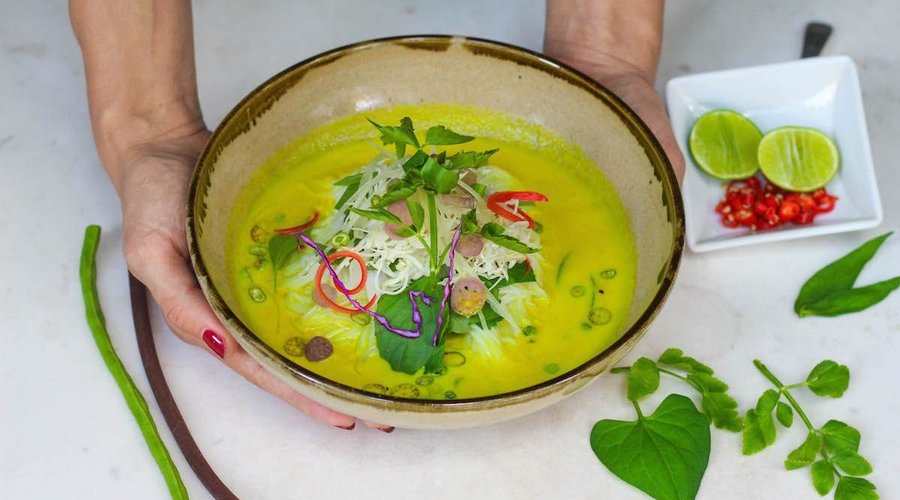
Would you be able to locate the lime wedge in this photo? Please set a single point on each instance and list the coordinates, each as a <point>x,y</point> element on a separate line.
<point>798,159</point>
<point>723,143</point>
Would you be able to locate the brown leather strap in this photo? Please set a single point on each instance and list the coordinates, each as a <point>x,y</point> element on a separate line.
<point>164,398</point>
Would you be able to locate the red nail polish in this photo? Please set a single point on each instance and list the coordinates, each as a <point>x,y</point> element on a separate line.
<point>347,428</point>
<point>386,429</point>
<point>215,342</point>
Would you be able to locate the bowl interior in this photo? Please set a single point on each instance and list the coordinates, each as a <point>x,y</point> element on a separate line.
<point>427,70</point>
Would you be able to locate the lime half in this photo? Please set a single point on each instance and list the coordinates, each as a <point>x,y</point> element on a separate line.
<point>723,143</point>
<point>798,159</point>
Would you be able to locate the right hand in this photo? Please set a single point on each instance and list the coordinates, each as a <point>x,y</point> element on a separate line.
<point>153,187</point>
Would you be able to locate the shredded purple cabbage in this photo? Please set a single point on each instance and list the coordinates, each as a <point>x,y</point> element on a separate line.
<point>416,314</point>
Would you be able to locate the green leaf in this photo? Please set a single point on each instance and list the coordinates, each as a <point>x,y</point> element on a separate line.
<point>822,477</point>
<point>853,300</point>
<point>469,222</point>
<point>829,379</point>
<point>470,159</point>
<point>349,180</point>
<point>839,437</point>
<point>643,379</point>
<point>440,135</point>
<point>708,382</point>
<point>855,488</point>
<point>281,247</point>
<point>409,355</point>
<point>722,410</point>
<point>675,357</point>
<point>784,413</point>
<point>494,232</point>
<point>416,212</point>
<point>829,291</point>
<point>519,273</point>
<point>459,323</point>
<point>852,463</point>
<point>758,433</point>
<point>415,161</point>
<point>664,455</point>
<point>805,454</point>
<point>766,403</point>
<point>350,191</point>
<point>438,178</point>
<point>400,137</point>
<point>380,214</point>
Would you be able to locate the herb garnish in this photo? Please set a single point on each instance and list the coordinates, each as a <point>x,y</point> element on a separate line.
<point>830,291</point>
<point>831,451</point>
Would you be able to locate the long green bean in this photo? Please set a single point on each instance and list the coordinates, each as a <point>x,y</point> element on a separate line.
<point>136,402</point>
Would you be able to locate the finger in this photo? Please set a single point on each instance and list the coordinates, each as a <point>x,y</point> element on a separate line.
<point>186,311</point>
<point>380,427</point>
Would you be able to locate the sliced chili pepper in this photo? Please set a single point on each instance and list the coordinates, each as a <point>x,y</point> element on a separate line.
<point>728,221</point>
<point>745,217</point>
<point>825,204</point>
<point>302,227</point>
<point>788,211</point>
<point>362,282</point>
<point>805,217</point>
<point>497,203</point>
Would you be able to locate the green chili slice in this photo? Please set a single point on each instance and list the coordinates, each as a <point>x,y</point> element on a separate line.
<point>136,402</point>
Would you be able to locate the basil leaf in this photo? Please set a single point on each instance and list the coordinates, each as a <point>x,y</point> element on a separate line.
<point>281,247</point>
<point>494,232</point>
<point>853,464</point>
<point>440,135</point>
<point>822,477</point>
<point>350,191</point>
<point>805,454</point>
<point>675,358</point>
<point>470,159</point>
<point>403,354</point>
<point>416,161</point>
<point>491,317</point>
<point>784,413</point>
<point>664,455</point>
<point>829,292</point>
<point>438,178</point>
<point>829,379</point>
<point>459,323</point>
<point>380,214</point>
<point>855,488</point>
<point>839,437</point>
<point>758,433</point>
<point>349,180</point>
<point>400,137</point>
<point>643,379</point>
<point>416,212</point>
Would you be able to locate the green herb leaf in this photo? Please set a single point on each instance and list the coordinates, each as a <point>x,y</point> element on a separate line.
<point>397,191</point>
<point>469,223</point>
<point>829,379</point>
<point>281,247</point>
<point>830,291</point>
<point>855,488</point>
<point>350,191</point>
<point>410,355</point>
<point>675,358</point>
<point>722,410</point>
<point>380,214</point>
<point>805,454</point>
<point>440,135</point>
<point>708,382</point>
<point>852,463</point>
<point>784,413</point>
<point>519,273</point>
<point>766,403</point>
<point>349,180</point>
<point>400,137</point>
<point>417,212</point>
<point>643,379</point>
<point>758,433</point>
<point>438,178</point>
<point>839,437</point>
<point>822,477</point>
<point>416,161</point>
<point>494,232</point>
<point>459,323</point>
<point>470,159</point>
<point>664,455</point>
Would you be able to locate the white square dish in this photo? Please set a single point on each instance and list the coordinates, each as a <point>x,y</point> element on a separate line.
<point>821,93</point>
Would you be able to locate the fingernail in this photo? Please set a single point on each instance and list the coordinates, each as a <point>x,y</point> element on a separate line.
<point>386,429</point>
<point>215,342</point>
<point>348,427</point>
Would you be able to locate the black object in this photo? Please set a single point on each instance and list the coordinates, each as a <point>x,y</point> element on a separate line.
<point>814,39</point>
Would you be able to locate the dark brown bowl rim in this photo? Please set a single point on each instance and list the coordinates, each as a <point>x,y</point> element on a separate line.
<point>503,51</point>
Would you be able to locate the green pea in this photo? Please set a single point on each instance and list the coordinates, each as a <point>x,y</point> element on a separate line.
<point>454,358</point>
<point>608,274</point>
<point>551,368</point>
<point>599,316</point>
<point>256,294</point>
<point>529,330</point>
<point>424,380</point>
<point>340,239</point>
<point>577,291</point>
<point>361,319</point>
<point>258,250</point>
<point>450,395</point>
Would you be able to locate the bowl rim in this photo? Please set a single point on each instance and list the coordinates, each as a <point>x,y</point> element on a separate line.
<point>639,130</point>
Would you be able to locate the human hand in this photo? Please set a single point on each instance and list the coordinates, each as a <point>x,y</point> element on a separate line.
<point>153,186</point>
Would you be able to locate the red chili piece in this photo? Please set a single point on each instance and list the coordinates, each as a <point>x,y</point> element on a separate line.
<point>302,227</point>
<point>760,205</point>
<point>499,204</point>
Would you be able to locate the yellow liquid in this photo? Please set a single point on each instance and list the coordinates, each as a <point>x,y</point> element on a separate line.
<point>585,229</point>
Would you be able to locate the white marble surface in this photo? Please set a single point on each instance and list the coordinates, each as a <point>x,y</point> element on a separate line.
<point>65,432</point>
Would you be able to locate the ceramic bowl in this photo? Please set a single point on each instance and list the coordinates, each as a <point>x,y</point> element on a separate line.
<point>385,72</point>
